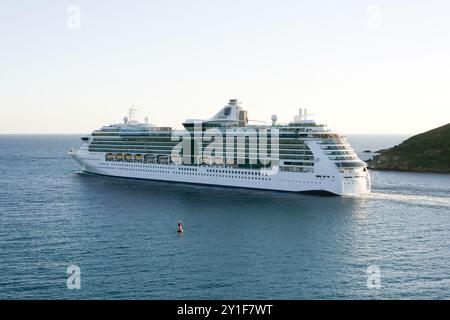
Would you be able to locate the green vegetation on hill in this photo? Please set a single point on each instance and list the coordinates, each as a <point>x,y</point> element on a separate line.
<point>425,152</point>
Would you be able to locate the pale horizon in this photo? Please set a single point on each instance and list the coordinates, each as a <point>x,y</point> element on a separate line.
<point>361,67</point>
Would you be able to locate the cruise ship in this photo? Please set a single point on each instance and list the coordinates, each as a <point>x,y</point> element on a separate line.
<point>228,150</point>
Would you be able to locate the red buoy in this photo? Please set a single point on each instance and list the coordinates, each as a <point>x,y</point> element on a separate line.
<point>180,228</point>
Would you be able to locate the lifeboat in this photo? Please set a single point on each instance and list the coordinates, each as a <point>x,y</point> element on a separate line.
<point>207,160</point>
<point>176,159</point>
<point>109,157</point>
<point>119,157</point>
<point>138,157</point>
<point>149,158</point>
<point>230,161</point>
<point>218,160</point>
<point>128,157</point>
<point>163,159</point>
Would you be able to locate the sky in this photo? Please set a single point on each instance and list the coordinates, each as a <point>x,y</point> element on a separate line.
<point>358,66</point>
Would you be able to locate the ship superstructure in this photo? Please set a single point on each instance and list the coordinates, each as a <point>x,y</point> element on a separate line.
<point>226,150</point>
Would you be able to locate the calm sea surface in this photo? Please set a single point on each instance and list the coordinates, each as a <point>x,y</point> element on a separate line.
<point>238,244</point>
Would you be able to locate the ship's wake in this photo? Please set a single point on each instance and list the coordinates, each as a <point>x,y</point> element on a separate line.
<point>413,199</point>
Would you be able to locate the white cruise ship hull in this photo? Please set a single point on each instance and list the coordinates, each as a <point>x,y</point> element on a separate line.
<point>332,182</point>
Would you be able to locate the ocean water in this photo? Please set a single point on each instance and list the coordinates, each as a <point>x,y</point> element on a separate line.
<point>238,244</point>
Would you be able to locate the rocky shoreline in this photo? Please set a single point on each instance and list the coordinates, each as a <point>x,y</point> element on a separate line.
<point>426,152</point>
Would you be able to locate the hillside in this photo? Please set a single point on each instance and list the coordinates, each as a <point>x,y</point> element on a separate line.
<point>425,152</point>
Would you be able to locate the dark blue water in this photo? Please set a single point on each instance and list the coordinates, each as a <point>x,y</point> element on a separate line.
<point>237,243</point>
